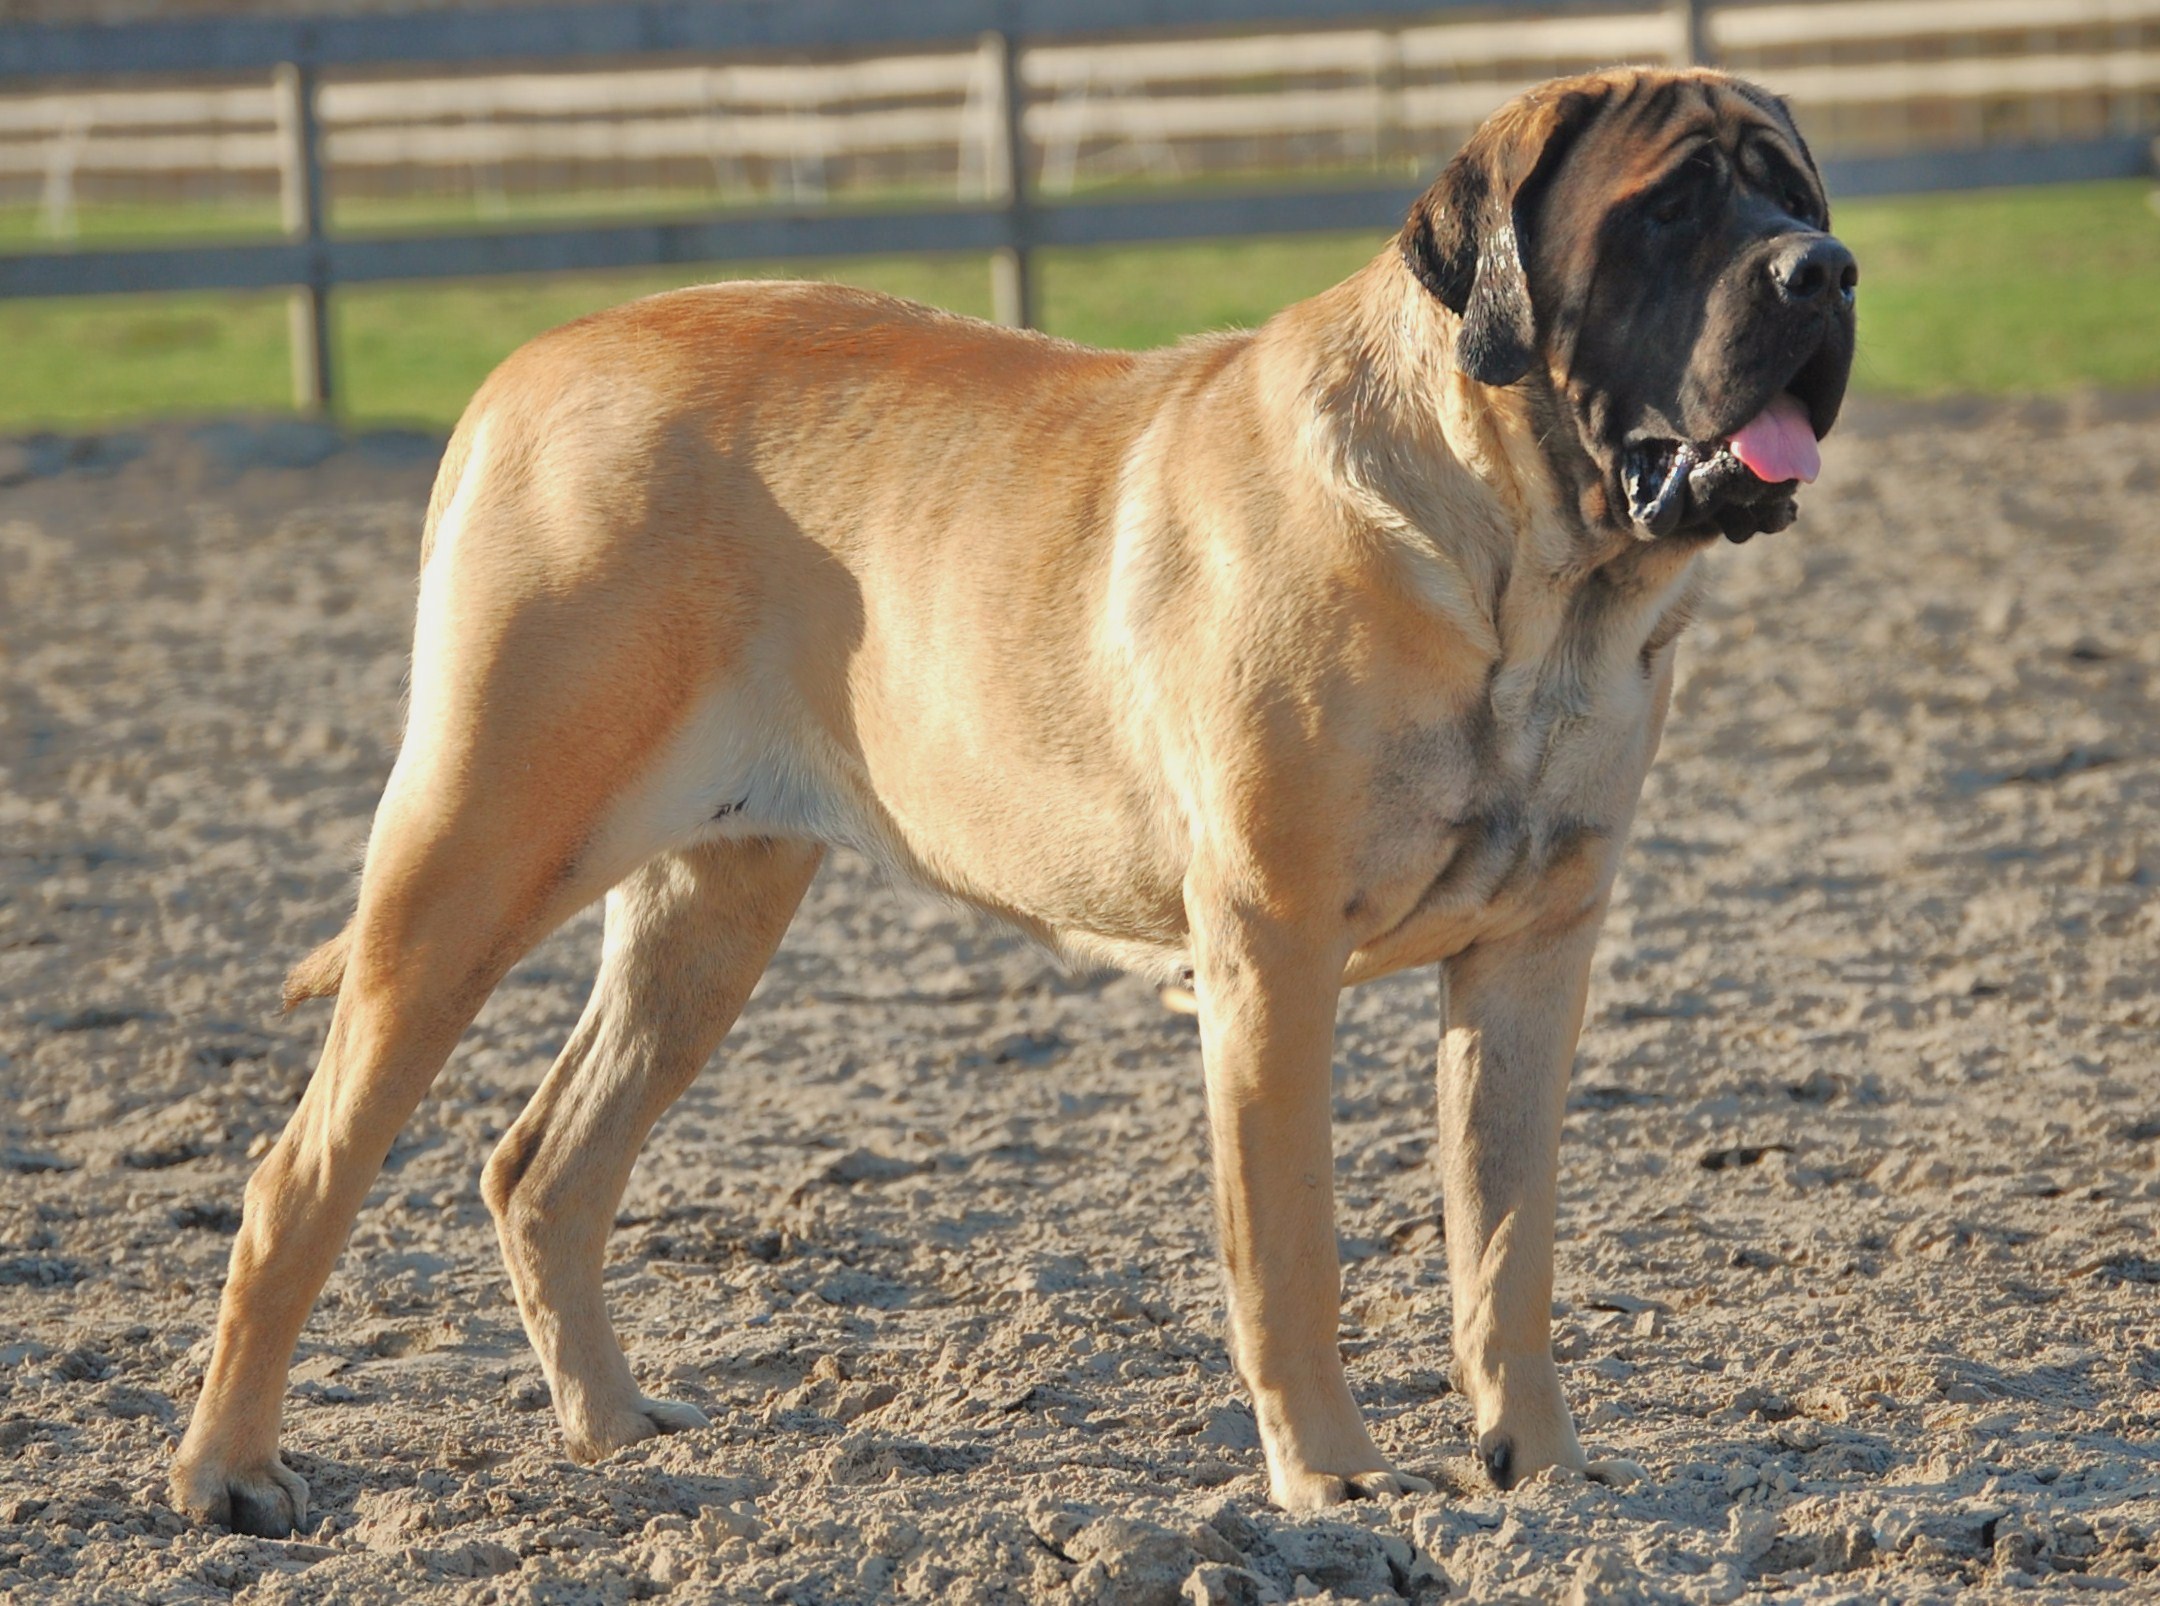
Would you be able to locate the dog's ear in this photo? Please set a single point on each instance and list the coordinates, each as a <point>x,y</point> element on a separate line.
<point>1466,236</point>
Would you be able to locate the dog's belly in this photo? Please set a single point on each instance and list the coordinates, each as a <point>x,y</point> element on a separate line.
<point>1084,868</point>
<point>1080,862</point>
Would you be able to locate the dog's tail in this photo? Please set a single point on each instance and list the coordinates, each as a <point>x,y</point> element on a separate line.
<point>321,973</point>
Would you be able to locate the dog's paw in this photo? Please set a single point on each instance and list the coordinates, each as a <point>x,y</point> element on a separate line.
<point>1386,1484</point>
<point>1538,1433</point>
<point>269,1501</point>
<point>1617,1472</point>
<point>1496,1454</point>
<point>673,1416</point>
<point>647,1419</point>
<point>1303,1492</point>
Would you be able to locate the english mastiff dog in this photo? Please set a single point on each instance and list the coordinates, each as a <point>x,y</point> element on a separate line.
<point>1291,658</point>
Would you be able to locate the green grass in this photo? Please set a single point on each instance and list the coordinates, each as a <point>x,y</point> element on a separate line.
<point>2008,291</point>
<point>1998,292</point>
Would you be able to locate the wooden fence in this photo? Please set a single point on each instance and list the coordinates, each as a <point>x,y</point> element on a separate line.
<point>1009,102</point>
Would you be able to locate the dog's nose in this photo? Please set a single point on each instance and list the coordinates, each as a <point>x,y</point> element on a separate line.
<point>1809,266</point>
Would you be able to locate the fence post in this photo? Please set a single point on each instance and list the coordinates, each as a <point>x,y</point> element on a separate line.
<point>1693,24</point>
<point>1012,284</point>
<point>300,193</point>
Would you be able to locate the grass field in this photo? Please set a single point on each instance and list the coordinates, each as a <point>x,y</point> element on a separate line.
<point>1995,292</point>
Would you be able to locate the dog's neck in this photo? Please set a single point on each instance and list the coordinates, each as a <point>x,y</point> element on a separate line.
<point>1513,440</point>
<point>1460,478</point>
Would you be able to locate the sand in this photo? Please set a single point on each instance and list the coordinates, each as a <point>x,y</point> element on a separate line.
<point>1860,1188</point>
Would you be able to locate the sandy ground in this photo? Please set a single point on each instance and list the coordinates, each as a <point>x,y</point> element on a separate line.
<point>1860,1190</point>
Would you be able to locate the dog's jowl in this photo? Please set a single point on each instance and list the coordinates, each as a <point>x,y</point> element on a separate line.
<point>1294,657</point>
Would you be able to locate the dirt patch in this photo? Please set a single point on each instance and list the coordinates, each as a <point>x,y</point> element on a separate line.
<point>1860,1187</point>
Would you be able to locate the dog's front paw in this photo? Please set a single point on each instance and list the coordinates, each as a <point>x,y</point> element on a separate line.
<point>673,1416</point>
<point>1303,1490</point>
<point>1513,1455</point>
<point>646,1419</point>
<point>1524,1425</point>
<point>1617,1472</point>
<point>269,1501</point>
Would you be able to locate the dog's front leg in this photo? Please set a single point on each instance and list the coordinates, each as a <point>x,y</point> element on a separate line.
<point>1513,1012</point>
<point>1267,991</point>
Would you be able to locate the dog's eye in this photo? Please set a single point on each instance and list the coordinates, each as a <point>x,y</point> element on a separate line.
<point>1680,198</point>
<point>1670,208</point>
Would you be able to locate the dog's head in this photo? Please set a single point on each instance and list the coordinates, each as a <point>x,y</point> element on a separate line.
<point>1656,246</point>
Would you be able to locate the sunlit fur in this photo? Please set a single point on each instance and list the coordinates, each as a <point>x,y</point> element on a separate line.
<point>1286,656</point>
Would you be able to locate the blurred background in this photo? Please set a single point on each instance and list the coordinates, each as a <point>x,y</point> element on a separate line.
<point>450,180</point>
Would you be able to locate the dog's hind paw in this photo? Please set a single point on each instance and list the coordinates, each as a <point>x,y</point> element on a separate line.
<point>269,1501</point>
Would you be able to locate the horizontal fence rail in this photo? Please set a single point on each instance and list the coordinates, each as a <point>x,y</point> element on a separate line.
<point>665,27</point>
<point>1848,21</point>
<point>1010,99</point>
<point>794,110</point>
<point>629,116</point>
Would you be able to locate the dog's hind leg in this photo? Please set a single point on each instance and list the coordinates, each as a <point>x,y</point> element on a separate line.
<point>687,938</point>
<point>552,682</point>
<point>446,907</point>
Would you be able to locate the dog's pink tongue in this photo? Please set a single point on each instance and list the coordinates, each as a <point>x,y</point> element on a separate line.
<point>1779,443</point>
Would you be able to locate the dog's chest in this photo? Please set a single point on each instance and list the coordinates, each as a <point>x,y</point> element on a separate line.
<point>1483,823</point>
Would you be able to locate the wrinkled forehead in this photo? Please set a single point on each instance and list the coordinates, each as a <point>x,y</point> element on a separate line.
<point>1651,125</point>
